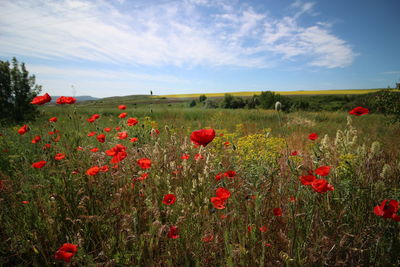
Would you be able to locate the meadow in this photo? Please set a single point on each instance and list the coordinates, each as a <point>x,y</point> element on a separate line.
<point>145,189</point>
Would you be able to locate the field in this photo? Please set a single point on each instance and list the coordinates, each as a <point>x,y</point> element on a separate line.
<point>265,191</point>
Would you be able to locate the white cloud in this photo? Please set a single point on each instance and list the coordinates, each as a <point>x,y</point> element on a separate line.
<point>166,33</point>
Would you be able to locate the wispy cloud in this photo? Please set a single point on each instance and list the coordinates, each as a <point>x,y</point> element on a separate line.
<point>182,33</point>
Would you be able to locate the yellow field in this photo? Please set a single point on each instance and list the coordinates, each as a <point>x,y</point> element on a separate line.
<point>316,92</point>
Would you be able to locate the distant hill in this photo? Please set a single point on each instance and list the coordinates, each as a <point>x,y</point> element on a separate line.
<point>80,98</point>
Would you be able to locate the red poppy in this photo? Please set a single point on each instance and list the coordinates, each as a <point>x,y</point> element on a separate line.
<point>263,229</point>
<point>277,212</point>
<point>313,136</point>
<point>144,163</point>
<point>294,153</point>
<point>39,164</point>
<point>173,232</point>
<point>219,176</point>
<point>40,100</point>
<point>227,144</point>
<point>185,156</point>
<point>122,115</point>
<point>66,100</point>
<point>104,168</point>
<point>36,139</point>
<point>202,137</point>
<point>46,146</point>
<point>222,193</point>
<point>93,118</point>
<point>91,133</point>
<point>143,176</point>
<point>307,179</point>
<point>59,156</point>
<point>358,111</point>
<point>122,107</point>
<point>107,129</point>
<point>323,170</point>
<point>249,228</point>
<point>25,202</point>
<point>53,119</point>
<point>50,133</point>
<point>132,121</point>
<point>321,186</point>
<point>93,170</point>
<point>198,156</point>
<point>66,252</point>
<point>133,139</point>
<point>122,135</point>
<point>218,203</point>
<point>118,153</point>
<point>118,128</point>
<point>101,138</point>
<point>169,199</point>
<point>207,238</point>
<point>230,174</point>
<point>23,129</point>
<point>388,209</point>
<point>95,149</point>
<point>79,148</point>
<point>153,132</point>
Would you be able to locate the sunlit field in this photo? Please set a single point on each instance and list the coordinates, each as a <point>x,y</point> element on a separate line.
<point>138,186</point>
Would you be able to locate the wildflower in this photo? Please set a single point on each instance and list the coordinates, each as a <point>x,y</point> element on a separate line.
<point>169,199</point>
<point>222,193</point>
<point>321,186</point>
<point>202,137</point>
<point>230,174</point>
<point>173,232</point>
<point>307,179</point>
<point>132,121</point>
<point>388,209</point>
<point>122,135</point>
<point>207,238</point>
<point>359,111</point>
<point>59,156</point>
<point>101,138</point>
<point>79,148</point>
<point>36,139</point>
<point>25,202</point>
<point>323,171</point>
<point>104,168</point>
<point>218,203</point>
<point>66,252</point>
<point>91,133</point>
<point>50,133</point>
<point>46,146</point>
<point>143,176</point>
<point>227,144</point>
<point>23,129</point>
<point>313,136</point>
<point>277,212</point>
<point>95,149</point>
<point>39,164</point>
<point>118,153</point>
<point>219,176</point>
<point>66,100</point>
<point>263,229</point>
<point>198,156</point>
<point>93,170</point>
<point>40,100</point>
<point>122,107</point>
<point>117,128</point>
<point>144,163</point>
<point>133,139</point>
<point>185,156</point>
<point>294,153</point>
<point>53,119</point>
<point>107,129</point>
<point>122,115</point>
<point>93,118</point>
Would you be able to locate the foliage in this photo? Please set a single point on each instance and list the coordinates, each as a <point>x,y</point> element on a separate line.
<point>17,89</point>
<point>202,98</point>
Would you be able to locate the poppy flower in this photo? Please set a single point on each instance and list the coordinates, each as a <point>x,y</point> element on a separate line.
<point>91,133</point>
<point>169,199</point>
<point>50,133</point>
<point>36,139</point>
<point>359,111</point>
<point>107,129</point>
<point>294,153</point>
<point>185,156</point>
<point>198,156</point>
<point>277,212</point>
<point>307,179</point>
<point>133,139</point>
<point>143,177</point>
<point>263,229</point>
<point>59,156</point>
<point>93,170</point>
<point>122,135</point>
<point>23,129</point>
<point>118,153</point>
<point>93,118</point>
<point>222,193</point>
<point>144,163</point>
<point>321,186</point>
<point>118,128</point>
<point>40,100</point>
<point>104,168</point>
<point>39,164</point>
<point>173,232</point>
<point>95,149</point>
<point>66,252</point>
<point>122,115</point>
<point>219,176</point>
<point>388,209</point>
<point>218,203</point>
<point>122,107</point>
<point>154,132</point>
<point>313,136</point>
<point>323,171</point>
<point>230,174</point>
<point>79,148</point>
<point>46,146</point>
<point>227,144</point>
<point>202,137</point>
<point>132,121</point>
<point>53,119</point>
<point>65,100</point>
<point>101,138</point>
<point>207,238</point>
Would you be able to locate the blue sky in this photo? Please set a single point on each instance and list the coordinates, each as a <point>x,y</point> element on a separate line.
<point>120,47</point>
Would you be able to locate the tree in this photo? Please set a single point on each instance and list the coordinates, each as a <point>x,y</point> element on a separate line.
<point>17,89</point>
<point>202,98</point>
<point>193,103</point>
